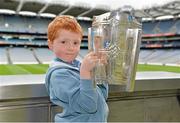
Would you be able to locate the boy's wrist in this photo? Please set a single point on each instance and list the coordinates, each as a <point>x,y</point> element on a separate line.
<point>85,75</point>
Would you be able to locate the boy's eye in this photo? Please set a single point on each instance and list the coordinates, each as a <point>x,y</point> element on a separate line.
<point>63,42</point>
<point>75,43</point>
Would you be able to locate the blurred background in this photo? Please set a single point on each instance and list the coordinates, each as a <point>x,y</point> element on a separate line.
<point>24,58</point>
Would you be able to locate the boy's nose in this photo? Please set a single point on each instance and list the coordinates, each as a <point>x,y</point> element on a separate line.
<point>70,45</point>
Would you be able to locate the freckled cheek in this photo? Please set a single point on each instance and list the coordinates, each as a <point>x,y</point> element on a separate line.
<point>59,50</point>
<point>61,54</point>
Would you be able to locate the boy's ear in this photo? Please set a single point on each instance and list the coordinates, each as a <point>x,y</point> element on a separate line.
<point>50,44</point>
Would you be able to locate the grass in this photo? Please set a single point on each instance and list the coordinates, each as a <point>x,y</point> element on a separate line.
<point>174,69</point>
<point>41,69</point>
<point>23,69</point>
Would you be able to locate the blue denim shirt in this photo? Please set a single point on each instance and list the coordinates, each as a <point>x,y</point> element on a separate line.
<point>80,100</point>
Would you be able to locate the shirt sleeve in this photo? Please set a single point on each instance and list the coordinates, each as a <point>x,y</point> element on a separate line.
<point>104,89</point>
<point>78,94</point>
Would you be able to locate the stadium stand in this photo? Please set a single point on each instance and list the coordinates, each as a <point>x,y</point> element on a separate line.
<point>44,55</point>
<point>83,52</point>
<point>160,56</point>
<point>3,56</point>
<point>148,27</point>
<point>166,26</point>
<point>22,24</point>
<point>26,35</point>
<point>178,26</point>
<point>22,56</point>
<point>160,40</point>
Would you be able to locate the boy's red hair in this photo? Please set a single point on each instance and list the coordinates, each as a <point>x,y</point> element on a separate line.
<point>63,22</point>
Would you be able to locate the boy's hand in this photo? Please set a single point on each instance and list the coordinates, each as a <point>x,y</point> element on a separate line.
<point>89,62</point>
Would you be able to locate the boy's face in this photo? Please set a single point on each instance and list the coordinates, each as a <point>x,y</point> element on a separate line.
<point>66,46</point>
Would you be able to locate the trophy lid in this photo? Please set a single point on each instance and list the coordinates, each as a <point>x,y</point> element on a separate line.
<point>101,19</point>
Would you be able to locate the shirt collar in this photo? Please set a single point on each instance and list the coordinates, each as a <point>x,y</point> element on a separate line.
<point>73,63</point>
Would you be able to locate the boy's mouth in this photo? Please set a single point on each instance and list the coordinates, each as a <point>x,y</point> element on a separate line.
<point>69,54</point>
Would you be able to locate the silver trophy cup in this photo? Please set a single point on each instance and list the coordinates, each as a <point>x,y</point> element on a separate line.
<point>116,36</point>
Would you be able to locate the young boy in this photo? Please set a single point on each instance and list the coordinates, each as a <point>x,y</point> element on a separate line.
<point>68,81</point>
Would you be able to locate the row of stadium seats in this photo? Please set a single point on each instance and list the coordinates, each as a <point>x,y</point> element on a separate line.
<point>24,41</point>
<point>23,24</point>
<point>19,55</point>
<point>15,23</point>
<point>160,56</point>
<point>163,26</point>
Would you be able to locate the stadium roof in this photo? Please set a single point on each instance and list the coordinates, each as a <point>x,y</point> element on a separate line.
<point>84,9</point>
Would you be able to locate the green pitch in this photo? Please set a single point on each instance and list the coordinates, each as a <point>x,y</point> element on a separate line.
<point>41,69</point>
<point>173,69</point>
<point>23,69</point>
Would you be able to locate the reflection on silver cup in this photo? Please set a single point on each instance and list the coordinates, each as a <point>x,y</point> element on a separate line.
<point>116,36</point>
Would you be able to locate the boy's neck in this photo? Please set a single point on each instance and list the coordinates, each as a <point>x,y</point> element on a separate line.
<point>59,59</point>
